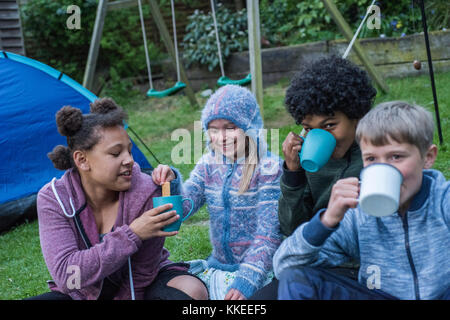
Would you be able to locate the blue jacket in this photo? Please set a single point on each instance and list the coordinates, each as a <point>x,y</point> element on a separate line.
<point>407,257</point>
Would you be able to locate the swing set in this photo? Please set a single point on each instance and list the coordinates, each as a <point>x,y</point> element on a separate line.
<point>182,81</point>
<point>179,85</point>
<point>103,7</point>
<point>254,49</point>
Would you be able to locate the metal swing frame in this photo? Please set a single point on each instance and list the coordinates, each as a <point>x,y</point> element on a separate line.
<point>179,85</point>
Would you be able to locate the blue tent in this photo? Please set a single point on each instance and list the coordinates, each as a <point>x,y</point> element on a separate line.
<point>30,95</point>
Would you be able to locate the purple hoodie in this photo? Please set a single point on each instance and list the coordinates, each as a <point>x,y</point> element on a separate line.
<point>66,254</point>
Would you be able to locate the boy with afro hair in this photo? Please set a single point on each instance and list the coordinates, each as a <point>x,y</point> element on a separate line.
<point>331,94</point>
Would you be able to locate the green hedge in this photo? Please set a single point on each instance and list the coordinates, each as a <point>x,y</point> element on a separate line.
<point>287,22</point>
<point>199,43</point>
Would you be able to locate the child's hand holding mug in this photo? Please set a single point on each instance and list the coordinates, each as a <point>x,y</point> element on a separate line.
<point>151,222</point>
<point>344,195</point>
<point>162,175</point>
<point>291,147</point>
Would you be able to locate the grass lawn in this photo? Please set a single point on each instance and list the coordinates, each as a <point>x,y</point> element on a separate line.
<point>23,271</point>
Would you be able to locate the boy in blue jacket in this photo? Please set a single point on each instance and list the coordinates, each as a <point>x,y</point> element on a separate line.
<point>402,256</point>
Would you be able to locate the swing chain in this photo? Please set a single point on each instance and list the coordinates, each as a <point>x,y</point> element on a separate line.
<point>147,58</point>
<point>175,40</point>
<point>213,10</point>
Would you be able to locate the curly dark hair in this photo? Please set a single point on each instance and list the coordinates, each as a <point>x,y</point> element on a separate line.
<point>82,130</point>
<point>328,85</point>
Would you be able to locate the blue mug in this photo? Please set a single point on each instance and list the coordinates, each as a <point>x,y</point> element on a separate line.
<point>317,148</point>
<point>177,202</point>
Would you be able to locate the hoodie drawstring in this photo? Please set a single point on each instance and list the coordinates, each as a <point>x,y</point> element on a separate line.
<point>131,279</point>
<point>60,203</point>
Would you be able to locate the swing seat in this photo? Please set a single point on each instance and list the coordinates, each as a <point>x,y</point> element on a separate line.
<point>168,92</point>
<point>225,80</point>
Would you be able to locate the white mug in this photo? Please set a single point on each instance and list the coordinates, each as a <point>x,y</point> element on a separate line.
<point>379,194</point>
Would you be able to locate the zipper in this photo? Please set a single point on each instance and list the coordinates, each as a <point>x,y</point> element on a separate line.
<point>225,194</point>
<point>410,259</point>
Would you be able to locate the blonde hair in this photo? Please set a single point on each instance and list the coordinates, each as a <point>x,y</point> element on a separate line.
<point>249,167</point>
<point>399,121</point>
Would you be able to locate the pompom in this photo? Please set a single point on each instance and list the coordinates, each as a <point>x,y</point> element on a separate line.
<point>103,105</point>
<point>69,120</point>
<point>60,156</point>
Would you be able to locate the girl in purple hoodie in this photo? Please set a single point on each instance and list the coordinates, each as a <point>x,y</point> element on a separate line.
<point>100,235</point>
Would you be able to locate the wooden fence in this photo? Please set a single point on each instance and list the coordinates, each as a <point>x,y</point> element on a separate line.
<point>11,38</point>
<point>393,57</point>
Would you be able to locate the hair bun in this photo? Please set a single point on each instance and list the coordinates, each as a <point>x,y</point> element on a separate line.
<point>60,156</point>
<point>69,120</point>
<point>103,105</point>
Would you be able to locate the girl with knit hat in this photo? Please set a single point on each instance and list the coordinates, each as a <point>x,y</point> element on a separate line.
<point>238,179</point>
